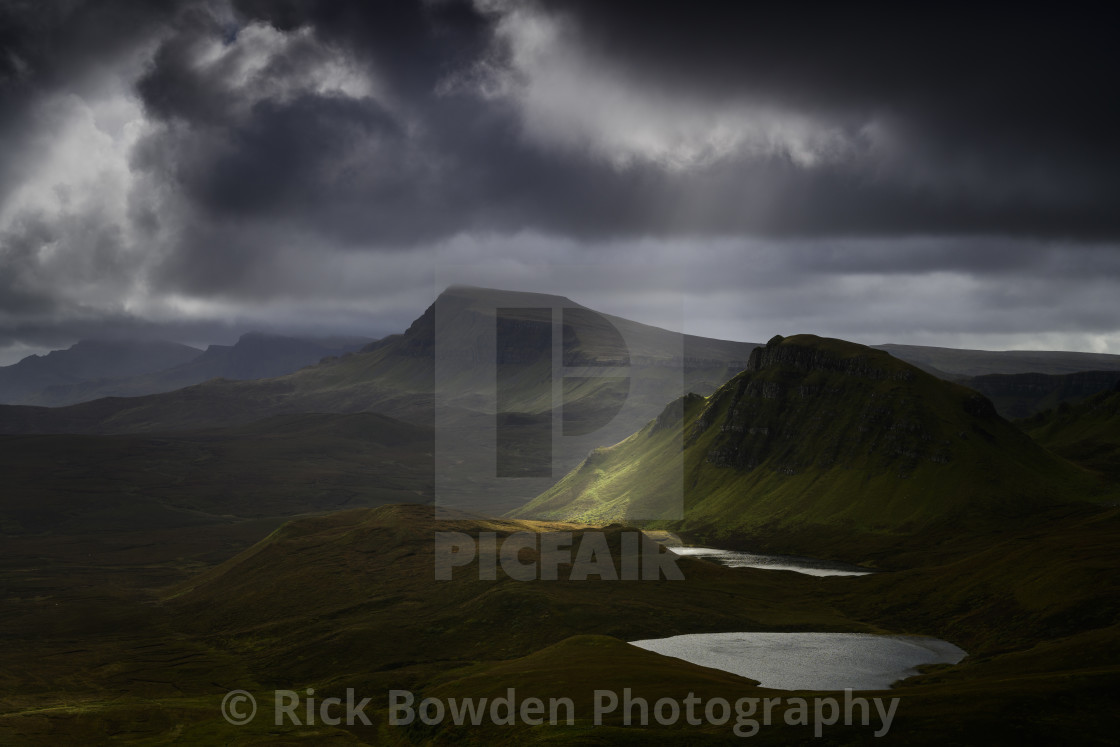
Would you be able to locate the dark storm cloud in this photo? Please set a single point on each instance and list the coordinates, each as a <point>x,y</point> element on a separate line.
<point>416,43</point>
<point>275,160</point>
<point>1043,71</point>
<point>828,54</point>
<point>18,294</point>
<point>1000,122</point>
<point>284,145</point>
<point>987,124</point>
<point>47,46</point>
<point>46,334</point>
<point>387,170</point>
<point>1003,118</point>
<point>48,52</point>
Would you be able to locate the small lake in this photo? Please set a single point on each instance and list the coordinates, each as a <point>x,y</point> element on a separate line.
<point>810,661</point>
<point>809,566</point>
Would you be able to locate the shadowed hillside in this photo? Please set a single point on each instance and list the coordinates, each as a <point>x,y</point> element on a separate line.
<point>1087,433</point>
<point>292,464</point>
<point>349,600</point>
<point>254,356</point>
<point>89,360</point>
<point>1022,395</point>
<point>393,376</point>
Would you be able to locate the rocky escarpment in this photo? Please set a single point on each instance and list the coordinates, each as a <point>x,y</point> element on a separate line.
<point>809,357</point>
<point>805,403</point>
<point>819,433</point>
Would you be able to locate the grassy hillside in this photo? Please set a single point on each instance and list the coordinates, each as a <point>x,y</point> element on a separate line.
<point>343,600</point>
<point>293,464</point>
<point>820,434</point>
<point>395,376</point>
<point>348,600</point>
<point>145,574</point>
<point>339,566</point>
<point>1087,433</point>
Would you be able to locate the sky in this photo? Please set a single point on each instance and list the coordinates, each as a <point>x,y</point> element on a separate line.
<point>194,170</point>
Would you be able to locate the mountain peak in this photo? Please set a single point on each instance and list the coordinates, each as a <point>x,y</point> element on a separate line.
<point>496,297</point>
<point>806,353</point>
<point>819,431</point>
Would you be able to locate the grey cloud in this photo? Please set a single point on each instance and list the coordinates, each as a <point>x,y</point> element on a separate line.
<point>46,47</point>
<point>981,121</point>
<point>966,162</point>
<point>43,256</point>
<point>18,291</point>
<point>986,64</point>
<point>956,161</point>
<point>413,43</point>
<point>871,290</point>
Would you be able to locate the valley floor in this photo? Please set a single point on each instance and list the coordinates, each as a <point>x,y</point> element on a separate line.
<point>136,639</point>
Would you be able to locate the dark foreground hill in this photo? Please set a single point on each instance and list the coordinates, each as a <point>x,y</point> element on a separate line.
<point>77,485</point>
<point>821,435</point>
<point>349,601</point>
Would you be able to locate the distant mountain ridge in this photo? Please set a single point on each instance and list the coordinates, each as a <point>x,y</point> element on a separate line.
<point>1020,383</point>
<point>255,355</point>
<point>954,362</point>
<point>1023,395</point>
<point>393,376</point>
<point>263,376</point>
<point>89,360</point>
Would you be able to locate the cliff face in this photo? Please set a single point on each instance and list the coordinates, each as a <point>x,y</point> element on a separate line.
<point>807,403</point>
<point>805,354</point>
<point>821,433</point>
